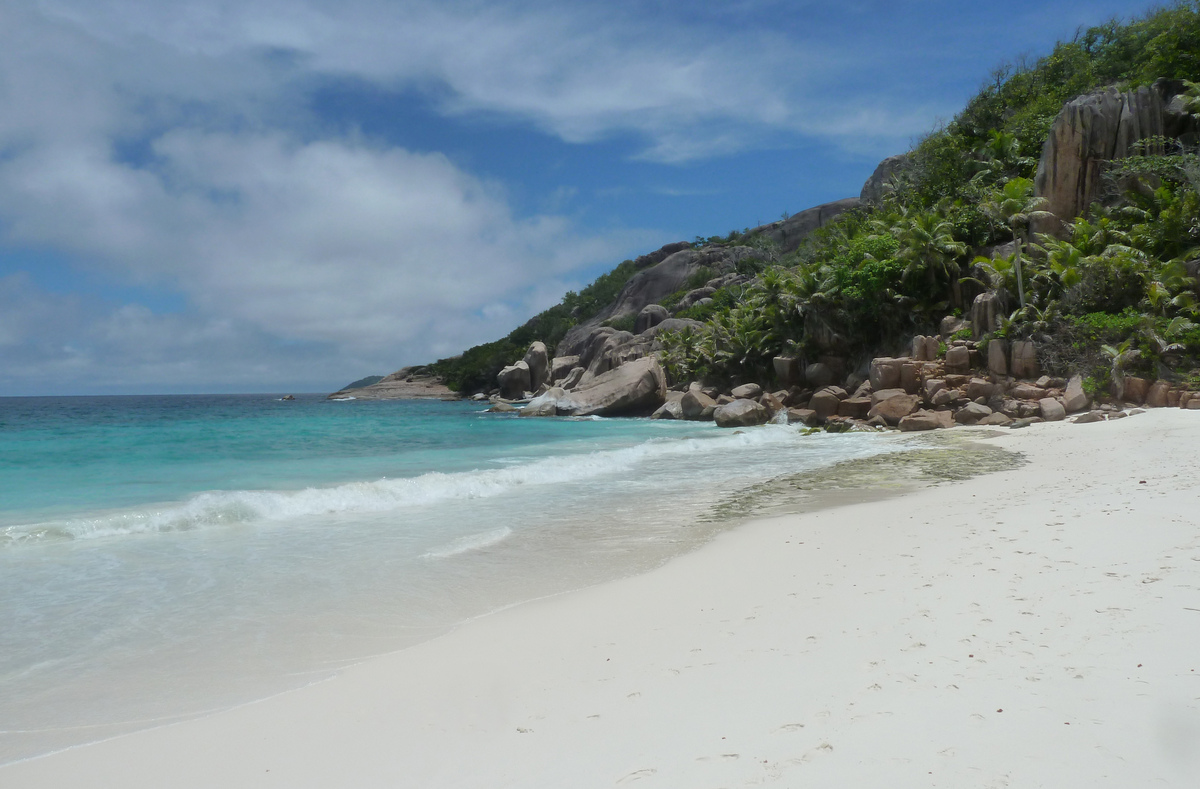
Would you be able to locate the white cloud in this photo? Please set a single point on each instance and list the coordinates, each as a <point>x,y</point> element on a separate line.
<point>169,145</point>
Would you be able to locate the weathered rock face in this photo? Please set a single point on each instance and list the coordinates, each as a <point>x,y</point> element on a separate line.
<point>651,315</point>
<point>998,357</point>
<point>855,407</point>
<point>986,311</point>
<point>697,405</point>
<point>741,413</point>
<point>1092,129</point>
<point>885,373</point>
<point>747,391</point>
<point>1051,409</point>
<point>789,232</point>
<point>1135,390</point>
<point>544,404</point>
<point>1075,399</point>
<point>921,420</point>
<point>894,408</point>
<point>1023,363</point>
<point>1156,395</point>
<point>805,416</point>
<point>560,366</point>
<point>958,359</point>
<point>639,386</point>
<point>924,349</point>
<point>827,401</point>
<point>672,409</point>
<point>875,188</point>
<point>787,370</point>
<point>514,381</point>
<point>972,413</point>
<point>538,360</point>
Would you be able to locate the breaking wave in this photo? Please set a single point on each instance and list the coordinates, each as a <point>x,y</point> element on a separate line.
<point>237,507</point>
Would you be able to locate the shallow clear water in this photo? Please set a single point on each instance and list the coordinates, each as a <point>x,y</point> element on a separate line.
<point>163,556</point>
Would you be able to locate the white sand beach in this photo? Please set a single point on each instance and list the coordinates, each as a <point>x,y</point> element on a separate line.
<point>1038,627</point>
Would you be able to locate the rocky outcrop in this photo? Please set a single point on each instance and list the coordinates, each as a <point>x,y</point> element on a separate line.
<point>789,233</point>
<point>514,381</point>
<point>741,413</point>
<point>637,387</point>
<point>408,383</point>
<point>651,315</point>
<point>885,174</point>
<point>537,359</point>
<point>1095,128</point>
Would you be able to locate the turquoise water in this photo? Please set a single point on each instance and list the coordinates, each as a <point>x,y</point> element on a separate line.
<point>165,556</point>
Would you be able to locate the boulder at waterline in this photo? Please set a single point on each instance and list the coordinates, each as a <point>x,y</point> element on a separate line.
<point>894,408</point>
<point>971,413</point>
<point>741,413</point>
<point>636,387</point>
<point>514,380</point>
<point>697,405</point>
<point>544,404</point>
<point>919,421</point>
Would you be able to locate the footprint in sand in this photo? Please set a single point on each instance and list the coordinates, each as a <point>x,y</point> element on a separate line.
<point>637,775</point>
<point>791,727</point>
<point>722,757</point>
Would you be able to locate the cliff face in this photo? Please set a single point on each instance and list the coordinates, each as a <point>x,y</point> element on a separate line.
<point>1099,127</point>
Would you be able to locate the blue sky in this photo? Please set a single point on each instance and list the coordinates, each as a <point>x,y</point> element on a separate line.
<point>230,195</point>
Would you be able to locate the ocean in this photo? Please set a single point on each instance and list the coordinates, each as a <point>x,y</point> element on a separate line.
<point>162,557</point>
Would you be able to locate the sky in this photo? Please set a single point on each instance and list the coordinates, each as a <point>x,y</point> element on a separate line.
<point>287,195</point>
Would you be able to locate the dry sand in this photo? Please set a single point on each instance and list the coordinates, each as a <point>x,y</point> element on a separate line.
<point>1030,628</point>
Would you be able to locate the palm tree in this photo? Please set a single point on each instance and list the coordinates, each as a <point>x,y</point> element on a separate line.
<point>1015,205</point>
<point>927,244</point>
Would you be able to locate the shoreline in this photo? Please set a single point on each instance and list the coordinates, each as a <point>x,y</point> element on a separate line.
<point>767,635</point>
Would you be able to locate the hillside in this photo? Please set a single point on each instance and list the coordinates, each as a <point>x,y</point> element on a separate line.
<point>1060,207</point>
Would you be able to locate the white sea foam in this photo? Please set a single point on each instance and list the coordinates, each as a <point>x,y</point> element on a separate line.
<point>218,508</point>
<point>471,542</point>
<point>343,399</point>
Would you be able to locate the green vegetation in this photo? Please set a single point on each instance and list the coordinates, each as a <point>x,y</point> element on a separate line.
<point>476,368</point>
<point>1118,281</point>
<point>1116,296</point>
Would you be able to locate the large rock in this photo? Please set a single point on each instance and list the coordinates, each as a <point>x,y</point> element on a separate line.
<point>544,404</point>
<point>997,357</point>
<point>921,420</point>
<point>697,405</point>
<point>1075,399</point>
<point>1093,129</point>
<point>958,360</point>
<point>741,413</point>
<point>650,316</point>
<point>514,381</point>
<point>925,349</point>
<point>986,311</point>
<point>561,366</point>
<point>932,387</point>
<point>537,358</point>
<point>1135,390</point>
<point>672,409</point>
<point>971,413</point>
<point>1051,410</point>
<point>1023,362</point>
<point>885,372</point>
<point>1156,395</point>
<point>894,408</point>
<point>787,370</point>
<point>747,392</point>
<point>979,387</point>
<point>877,186</point>
<point>827,401</point>
<point>636,387</point>
<point>790,232</point>
<point>855,407</point>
